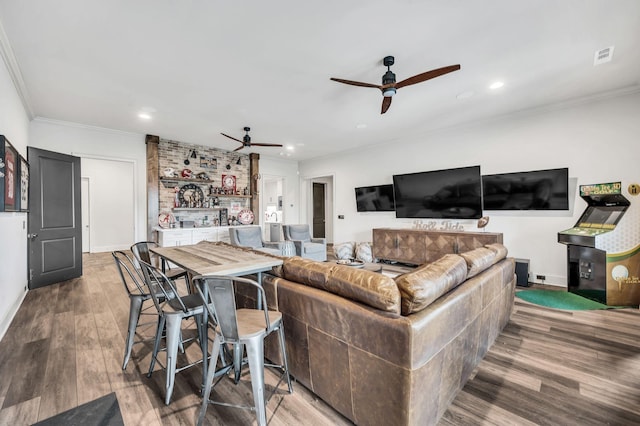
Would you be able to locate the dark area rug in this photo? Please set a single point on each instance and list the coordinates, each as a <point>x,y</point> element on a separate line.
<point>561,300</point>
<point>103,411</point>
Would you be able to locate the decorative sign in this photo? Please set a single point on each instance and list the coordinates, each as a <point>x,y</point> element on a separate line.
<point>432,225</point>
<point>634,189</point>
<point>208,163</point>
<point>601,189</point>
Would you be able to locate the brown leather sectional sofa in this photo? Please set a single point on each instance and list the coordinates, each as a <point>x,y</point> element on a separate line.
<point>391,351</point>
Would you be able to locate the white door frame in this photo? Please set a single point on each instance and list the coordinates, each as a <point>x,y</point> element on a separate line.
<point>85,188</point>
<point>134,183</point>
<point>306,201</point>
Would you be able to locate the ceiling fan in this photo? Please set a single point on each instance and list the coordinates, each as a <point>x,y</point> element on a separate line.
<point>389,85</point>
<point>246,141</point>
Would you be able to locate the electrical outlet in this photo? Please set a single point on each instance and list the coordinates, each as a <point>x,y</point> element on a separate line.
<point>541,277</point>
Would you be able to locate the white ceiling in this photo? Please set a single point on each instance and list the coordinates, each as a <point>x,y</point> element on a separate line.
<point>205,67</point>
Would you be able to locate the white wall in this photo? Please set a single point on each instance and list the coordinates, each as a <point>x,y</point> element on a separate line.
<point>14,125</point>
<point>597,140</point>
<point>112,213</point>
<point>101,144</point>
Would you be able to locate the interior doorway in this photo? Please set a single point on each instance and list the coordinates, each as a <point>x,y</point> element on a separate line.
<point>111,203</point>
<point>272,200</point>
<point>84,213</point>
<point>319,207</point>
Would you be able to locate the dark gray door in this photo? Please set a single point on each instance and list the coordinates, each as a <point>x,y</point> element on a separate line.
<point>318,210</point>
<point>55,225</point>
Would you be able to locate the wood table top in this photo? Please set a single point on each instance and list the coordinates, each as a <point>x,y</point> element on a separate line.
<point>208,258</point>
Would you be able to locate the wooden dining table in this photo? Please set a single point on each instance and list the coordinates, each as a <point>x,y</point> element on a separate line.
<point>209,258</point>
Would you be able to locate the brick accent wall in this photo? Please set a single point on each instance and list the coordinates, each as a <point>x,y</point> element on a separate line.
<point>172,155</point>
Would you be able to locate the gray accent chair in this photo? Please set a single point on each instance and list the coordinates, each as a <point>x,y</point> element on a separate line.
<point>306,246</point>
<point>251,237</point>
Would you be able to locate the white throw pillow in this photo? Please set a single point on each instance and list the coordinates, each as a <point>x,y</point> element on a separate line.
<point>344,250</point>
<point>364,252</point>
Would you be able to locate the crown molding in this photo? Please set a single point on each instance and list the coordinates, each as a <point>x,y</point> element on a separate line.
<point>14,71</point>
<point>39,119</point>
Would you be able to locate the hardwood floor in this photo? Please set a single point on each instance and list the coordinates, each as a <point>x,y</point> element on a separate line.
<point>548,367</point>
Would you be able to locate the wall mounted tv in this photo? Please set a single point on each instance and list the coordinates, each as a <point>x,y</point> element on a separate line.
<point>439,194</point>
<point>535,190</point>
<point>377,198</point>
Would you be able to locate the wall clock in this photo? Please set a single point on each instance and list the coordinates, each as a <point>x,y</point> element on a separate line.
<point>229,182</point>
<point>190,195</point>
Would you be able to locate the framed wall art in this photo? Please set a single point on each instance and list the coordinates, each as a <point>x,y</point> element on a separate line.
<point>24,185</point>
<point>208,162</point>
<point>10,180</point>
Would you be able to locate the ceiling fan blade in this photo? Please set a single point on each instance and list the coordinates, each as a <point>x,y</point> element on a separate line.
<point>386,103</point>
<point>427,75</point>
<point>265,144</point>
<point>356,83</point>
<point>231,137</point>
<point>239,148</point>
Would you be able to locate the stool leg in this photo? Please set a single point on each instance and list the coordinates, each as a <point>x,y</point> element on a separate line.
<point>283,350</point>
<point>255,354</point>
<point>209,380</point>
<point>135,306</point>
<point>173,338</point>
<point>238,352</point>
<point>156,344</point>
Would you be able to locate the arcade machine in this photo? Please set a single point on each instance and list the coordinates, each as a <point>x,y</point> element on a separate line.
<point>603,256</point>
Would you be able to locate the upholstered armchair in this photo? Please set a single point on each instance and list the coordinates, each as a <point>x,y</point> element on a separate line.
<point>251,237</point>
<point>306,246</point>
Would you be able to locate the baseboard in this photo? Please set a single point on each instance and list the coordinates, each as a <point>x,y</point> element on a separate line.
<point>6,321</point>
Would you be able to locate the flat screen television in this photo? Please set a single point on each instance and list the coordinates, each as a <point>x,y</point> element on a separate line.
<point>439,194</point>
<point>378,198</point>
<point>534,190</point>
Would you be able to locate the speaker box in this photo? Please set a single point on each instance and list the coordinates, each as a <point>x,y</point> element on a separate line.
<point>522,272</point>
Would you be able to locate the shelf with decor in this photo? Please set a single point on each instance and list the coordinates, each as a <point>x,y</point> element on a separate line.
<point>171,182</point>
<point>194,209</point>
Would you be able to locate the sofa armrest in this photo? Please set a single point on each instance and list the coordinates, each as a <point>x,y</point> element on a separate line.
<point>319,241</point>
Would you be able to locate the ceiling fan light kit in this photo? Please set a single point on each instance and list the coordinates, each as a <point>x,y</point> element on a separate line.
<point>389,85</point>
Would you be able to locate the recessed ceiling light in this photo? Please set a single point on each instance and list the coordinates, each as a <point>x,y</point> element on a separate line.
<point>361,126</point>
<point>290,148</point>
<point>465,95</point>
<point>496,85</point>
<point>144,116</point>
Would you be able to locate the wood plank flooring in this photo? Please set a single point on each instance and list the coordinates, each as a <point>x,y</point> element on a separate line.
<point>548,367</point>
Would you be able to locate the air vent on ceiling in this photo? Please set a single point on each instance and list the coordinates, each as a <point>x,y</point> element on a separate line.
<point>603,55</point>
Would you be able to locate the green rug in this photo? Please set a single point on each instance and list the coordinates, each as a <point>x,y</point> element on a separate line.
<point>559,299</point>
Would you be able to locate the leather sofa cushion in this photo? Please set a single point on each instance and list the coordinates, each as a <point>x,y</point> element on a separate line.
<point>370,288</point>
<point>478,260</point>
<point>482,258</point>
<point>306,271</point>
<point>419,288</point>
<point>501,251</point>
